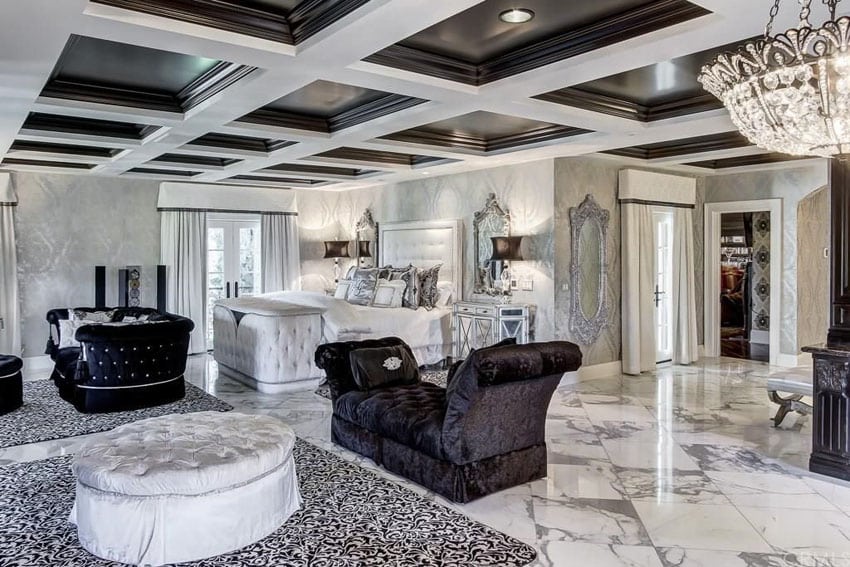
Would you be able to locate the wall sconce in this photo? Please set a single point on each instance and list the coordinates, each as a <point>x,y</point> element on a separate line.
<point>336,249</point>
<point>505,250</point>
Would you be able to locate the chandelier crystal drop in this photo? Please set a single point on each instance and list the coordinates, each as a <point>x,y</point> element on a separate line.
<point>790,93</point>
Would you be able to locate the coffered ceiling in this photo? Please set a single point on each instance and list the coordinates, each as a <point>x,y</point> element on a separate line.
<point>339,94</point>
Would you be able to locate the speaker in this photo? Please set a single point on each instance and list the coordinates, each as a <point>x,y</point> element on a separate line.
<point>161,297</point>
<point>123,297</point>
<point>100,286</point>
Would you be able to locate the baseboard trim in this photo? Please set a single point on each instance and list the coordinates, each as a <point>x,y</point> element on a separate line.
<point>37,363</point>
<point>604,370</point>
<point>792,360</point>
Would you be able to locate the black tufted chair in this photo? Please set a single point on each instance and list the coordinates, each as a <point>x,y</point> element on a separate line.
<point>121,367</point>
<point>483,433</point>
<point>11,384</point>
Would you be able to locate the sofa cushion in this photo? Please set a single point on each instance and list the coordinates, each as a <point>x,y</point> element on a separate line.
<point>411,414</point>
<point>66,361</point>
<point>383,366</point>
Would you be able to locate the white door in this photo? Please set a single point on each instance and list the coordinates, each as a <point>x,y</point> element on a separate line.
<point>663,285</point>
<point>233,262</point>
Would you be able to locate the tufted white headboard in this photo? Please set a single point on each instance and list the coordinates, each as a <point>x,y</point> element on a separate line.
<point>423,244</point>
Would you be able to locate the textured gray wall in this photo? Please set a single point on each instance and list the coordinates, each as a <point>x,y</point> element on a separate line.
<point>574,179</point>
<point>812,268</point>
<point>526,190</point>
<point>790,185</point>
<point>66,225</point>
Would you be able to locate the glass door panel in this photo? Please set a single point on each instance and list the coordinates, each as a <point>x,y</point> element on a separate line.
<point>664,285</point>
<point>233,263</point>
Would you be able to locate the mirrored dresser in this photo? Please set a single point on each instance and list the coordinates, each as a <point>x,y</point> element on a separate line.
<point>480,324</point>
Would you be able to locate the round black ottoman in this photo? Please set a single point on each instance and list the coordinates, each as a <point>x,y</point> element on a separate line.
<point>11,383</point>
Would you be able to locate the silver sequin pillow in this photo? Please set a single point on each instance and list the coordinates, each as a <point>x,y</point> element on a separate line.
<point>429,294</point>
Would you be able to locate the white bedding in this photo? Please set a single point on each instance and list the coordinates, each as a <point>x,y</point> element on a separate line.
<point>425,331</point>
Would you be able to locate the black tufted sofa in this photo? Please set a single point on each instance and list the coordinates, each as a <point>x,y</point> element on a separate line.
<point>483,433</point>
<point>11,383</point>
<point>121,367</point>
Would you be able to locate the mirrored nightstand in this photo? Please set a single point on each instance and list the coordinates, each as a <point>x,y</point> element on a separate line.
<point>478,324</point>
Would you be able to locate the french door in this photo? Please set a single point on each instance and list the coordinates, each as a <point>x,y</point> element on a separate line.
<point>663,285</point>
<point>233,262</point>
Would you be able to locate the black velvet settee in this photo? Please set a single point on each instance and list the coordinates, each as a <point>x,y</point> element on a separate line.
<point>120,365</point>
<point>483,433</point>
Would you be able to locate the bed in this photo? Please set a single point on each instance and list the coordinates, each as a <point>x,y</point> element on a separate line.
<point>267,341</point>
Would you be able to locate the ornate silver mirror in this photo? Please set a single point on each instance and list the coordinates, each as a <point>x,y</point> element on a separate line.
<point>588,271</point>
<point>490,221</point>
<point>366,243</point>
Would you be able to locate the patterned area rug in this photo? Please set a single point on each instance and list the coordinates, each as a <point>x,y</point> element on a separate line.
<point>350,518</point>
<point>45,416</point>
<point>437,377</point>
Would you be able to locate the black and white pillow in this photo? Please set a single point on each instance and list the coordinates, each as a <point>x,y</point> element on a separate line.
<point>408,275</point>
<point>429,293</point>
<point>382,367</point>
<point>92,316</point>
<point>363,284</point>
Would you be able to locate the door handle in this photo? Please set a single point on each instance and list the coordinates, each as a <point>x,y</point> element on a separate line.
<point>658,293</point>
<point>227,290</point>
<point>236,289</point>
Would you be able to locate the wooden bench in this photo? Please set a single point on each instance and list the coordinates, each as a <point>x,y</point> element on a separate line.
<point>796,383</point>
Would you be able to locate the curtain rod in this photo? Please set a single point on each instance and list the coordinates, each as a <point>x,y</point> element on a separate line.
<point>657,203</point>
<point>179,209</point>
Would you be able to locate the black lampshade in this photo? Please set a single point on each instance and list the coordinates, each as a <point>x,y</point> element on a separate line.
<point>336,249</point>
<point>506,247</point>
<point>363,249</point>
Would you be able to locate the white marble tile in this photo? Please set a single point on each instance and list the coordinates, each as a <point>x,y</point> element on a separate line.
<point>836,491</point>
<point>700,526</point>
<point>768,490</point>
<point>670,486</point>
<point>589,521</point>
<point>662,455</point>
<point>564,482</point>
<point>564,553</point>
<point>509,511</point>
<point>602,408</point>
<point>679,557</point>
<point>807,531</point>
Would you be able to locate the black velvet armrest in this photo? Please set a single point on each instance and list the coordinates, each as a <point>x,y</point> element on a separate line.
<point>334,359</point>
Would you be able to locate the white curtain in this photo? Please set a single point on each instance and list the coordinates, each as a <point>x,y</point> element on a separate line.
<point>685,348</point>
<point>638,274</point>
<point>184,252</point>
<point>281,257</point>
<point>10,326</point>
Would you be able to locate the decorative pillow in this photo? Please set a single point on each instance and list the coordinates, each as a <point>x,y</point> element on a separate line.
<point>139,319</point>
<point>350,273</point>
<point>342,289</point>
<point>408,275</point>
<point>389,293</point>
<point>68,328</point>
<point>91,317</point>
<point>428,293</point>
<point>362,289</point>
<point>381,367</point>
<point>445,290</point>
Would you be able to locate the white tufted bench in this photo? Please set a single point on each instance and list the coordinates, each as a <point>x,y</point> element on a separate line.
<point>184,487</point>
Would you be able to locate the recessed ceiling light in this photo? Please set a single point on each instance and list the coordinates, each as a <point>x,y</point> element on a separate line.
<point>516,16</point>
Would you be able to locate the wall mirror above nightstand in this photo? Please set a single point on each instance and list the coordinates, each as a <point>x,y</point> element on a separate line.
<point>491,221</point>
<point>366,243</point>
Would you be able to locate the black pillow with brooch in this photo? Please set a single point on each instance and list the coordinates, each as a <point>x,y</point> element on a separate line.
<point>384,366</point>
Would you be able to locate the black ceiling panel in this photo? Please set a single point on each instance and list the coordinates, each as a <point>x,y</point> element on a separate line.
<point>284,21</point>
<point>684,147</point>
<point>654,92</point>
<point>55,123</point>
<point>294,181</point>
<point>325,106</point>
<point>45,163</point>
<point>108,72</point>
<point>476,47</point>
<point>742,161</point>
<point>67,149</point>
<point>245,143</point>
<point>163,172</point>
<point>485,132</point>
<point>319,170</point>
<point>377,156</point>
<point>199,161</point>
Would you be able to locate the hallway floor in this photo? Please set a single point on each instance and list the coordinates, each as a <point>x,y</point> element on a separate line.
<point>678,468</point>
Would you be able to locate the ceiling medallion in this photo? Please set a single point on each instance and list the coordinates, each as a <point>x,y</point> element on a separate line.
<point>790,93</point>
<point>516,16</point>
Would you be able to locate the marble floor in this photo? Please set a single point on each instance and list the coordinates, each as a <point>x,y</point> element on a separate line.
<point>678,468</point>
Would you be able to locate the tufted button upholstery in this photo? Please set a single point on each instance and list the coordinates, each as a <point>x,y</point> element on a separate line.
<point>187,454</point>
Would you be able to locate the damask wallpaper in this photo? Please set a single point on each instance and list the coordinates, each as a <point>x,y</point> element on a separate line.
<point>68,224</point>
<point>760,281</point>
<point>813,268</point>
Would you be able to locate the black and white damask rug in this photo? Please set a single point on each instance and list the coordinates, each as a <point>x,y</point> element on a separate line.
<point>45,416</point>
<point>351,517</point>
<point>437,377</point>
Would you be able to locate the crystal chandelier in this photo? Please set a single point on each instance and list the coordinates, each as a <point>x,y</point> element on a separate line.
<point>790,93</point>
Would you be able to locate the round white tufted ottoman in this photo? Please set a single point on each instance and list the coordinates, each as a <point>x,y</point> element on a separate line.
<point>184,487</point>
